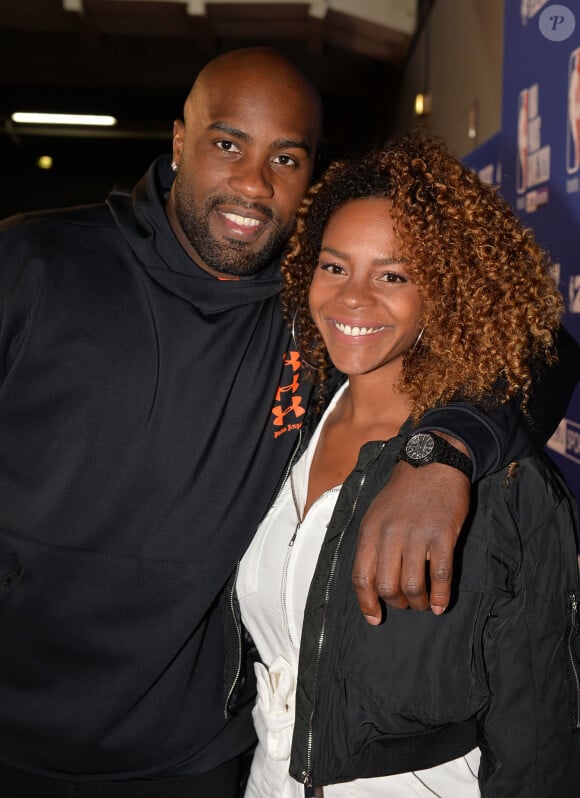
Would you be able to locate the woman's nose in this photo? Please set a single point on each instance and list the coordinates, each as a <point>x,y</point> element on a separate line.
<point>356,293</point>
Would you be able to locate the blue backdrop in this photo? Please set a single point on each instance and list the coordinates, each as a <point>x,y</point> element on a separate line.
<point>536,159</point>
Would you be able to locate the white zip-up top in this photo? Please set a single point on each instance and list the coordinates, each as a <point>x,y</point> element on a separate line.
<point>273,582</point>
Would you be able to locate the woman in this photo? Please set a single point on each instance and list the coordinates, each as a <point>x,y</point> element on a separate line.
<point>418,283</point>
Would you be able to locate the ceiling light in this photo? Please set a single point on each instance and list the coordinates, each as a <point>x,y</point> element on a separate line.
<point>44,162</point>
<point>26,118</point>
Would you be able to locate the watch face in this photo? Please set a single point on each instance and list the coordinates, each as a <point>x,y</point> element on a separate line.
<point>420,446</point>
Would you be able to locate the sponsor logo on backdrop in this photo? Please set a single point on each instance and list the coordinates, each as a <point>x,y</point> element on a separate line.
<point>573,123</point>
<point>486,173</point>
<point>533,160</point>
<point>536,199</point>
<point>529,8</point>
<point>566,440</point>
<point>490,173</point>
<point>574,293</point>
<point>522,162</point>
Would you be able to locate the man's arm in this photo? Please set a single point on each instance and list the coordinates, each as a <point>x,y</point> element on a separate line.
<point>419,514</point>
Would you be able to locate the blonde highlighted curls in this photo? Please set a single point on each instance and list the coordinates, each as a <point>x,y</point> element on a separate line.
<point>490,306</point>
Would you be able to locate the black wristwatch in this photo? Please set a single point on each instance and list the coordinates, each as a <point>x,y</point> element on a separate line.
<point>423,448</point>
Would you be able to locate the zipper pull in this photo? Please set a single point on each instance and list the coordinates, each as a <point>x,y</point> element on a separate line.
<point>574,610</point>
<point>293,538</point>
<point>309,789</point>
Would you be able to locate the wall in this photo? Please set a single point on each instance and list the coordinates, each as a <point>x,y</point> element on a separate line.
<point>458,57</point>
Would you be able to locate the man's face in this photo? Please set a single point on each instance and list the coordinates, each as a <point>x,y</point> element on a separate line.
<point>245,157</point>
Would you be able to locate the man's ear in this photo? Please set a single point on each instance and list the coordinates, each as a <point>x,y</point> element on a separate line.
<point>178,139</point>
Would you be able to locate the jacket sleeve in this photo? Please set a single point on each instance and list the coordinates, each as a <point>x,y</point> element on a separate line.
<point>530,730</point>
<point>497,435</point>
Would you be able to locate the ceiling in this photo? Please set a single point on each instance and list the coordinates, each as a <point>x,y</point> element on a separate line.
<point>136,59</point>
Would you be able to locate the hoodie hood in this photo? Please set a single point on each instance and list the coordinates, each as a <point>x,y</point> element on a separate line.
<point>143,222</point>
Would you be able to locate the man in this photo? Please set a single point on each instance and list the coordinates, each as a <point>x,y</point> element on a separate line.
<point>150,399</point>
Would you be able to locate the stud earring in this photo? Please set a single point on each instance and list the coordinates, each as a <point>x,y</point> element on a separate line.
<point>174,166</point>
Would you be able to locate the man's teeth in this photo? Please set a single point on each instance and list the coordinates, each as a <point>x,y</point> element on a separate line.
<point>242,221</point>
<point>346,329</point>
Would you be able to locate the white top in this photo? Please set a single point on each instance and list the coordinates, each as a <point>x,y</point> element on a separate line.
<point>272,586</point>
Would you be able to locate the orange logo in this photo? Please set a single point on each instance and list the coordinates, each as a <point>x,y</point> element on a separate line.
<point>287,400</point>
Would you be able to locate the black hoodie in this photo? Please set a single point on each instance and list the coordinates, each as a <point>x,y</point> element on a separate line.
<point>147,411</point>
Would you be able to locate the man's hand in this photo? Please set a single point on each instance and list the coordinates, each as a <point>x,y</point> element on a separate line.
<point>416,517</point>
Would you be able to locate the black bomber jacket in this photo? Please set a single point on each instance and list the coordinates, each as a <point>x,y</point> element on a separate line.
<point>500,669</point>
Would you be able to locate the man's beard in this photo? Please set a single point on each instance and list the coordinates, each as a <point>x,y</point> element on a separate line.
<point>230,256</point>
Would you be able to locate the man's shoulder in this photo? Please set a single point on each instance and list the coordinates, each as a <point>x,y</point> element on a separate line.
<point>31,224</point>
<point>34,245</point>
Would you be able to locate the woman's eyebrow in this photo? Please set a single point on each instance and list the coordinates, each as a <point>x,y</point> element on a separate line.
<point>386,261</point>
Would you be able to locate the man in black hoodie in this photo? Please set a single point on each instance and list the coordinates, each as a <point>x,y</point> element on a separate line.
<point>150,397</point>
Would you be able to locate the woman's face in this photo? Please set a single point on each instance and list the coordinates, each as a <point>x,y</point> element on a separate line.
<point>361,299</point>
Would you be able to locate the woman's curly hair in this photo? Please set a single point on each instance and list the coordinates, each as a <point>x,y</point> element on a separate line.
<point>489,305</point>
